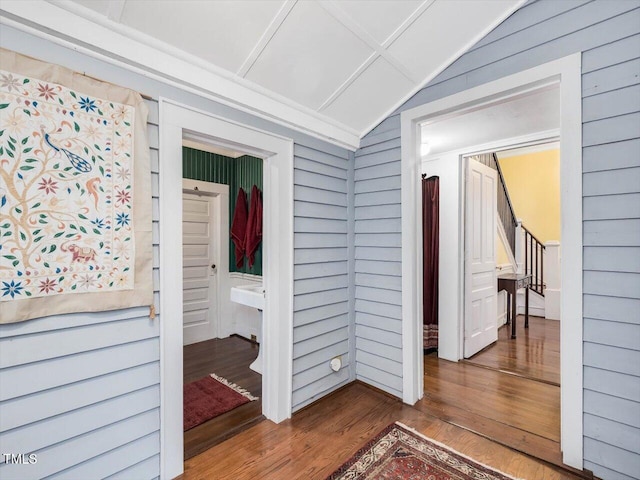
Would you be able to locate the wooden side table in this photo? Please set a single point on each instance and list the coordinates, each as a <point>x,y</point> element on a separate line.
<point>511,282</point>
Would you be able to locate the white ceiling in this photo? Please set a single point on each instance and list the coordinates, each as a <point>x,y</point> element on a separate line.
<point>348,63</point>
<point>526,114</point>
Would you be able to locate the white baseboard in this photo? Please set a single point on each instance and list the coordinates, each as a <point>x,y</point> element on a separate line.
<point>533,310</point>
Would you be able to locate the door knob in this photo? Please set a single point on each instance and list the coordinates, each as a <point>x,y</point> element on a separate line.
<point>213,265</point>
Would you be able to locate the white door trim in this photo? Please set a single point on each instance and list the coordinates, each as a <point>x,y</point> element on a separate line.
<point>220,195</point>
<point>176,122</point>
<point>567,73</point>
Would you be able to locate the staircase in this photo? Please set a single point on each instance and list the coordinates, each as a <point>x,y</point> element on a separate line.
<point>529,254</point>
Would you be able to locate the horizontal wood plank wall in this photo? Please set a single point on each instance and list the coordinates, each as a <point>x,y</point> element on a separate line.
<point>321,273</point>
<point>76,386</point>
<point>378,267</point>
<point>608,35</point>
<point>90,407</point>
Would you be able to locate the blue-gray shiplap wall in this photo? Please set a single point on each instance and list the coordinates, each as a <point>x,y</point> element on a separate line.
<point>321,302</point>
<point>82,391</point>
<point>607,32</point>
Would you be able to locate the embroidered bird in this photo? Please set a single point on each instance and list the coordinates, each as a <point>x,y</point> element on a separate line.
<point>78,162</point>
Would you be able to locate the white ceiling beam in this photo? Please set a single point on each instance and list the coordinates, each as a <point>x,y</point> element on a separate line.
<point>352,78</point>
<point>115,10</point>
<point>408,22</point>
<point>333,9</point>
<point>117,44</point>
<point>266,37</point>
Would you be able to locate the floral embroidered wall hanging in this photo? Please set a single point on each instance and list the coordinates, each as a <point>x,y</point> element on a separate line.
<point>75,219</point>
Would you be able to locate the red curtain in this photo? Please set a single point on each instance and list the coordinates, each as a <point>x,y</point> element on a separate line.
<point>430,250</point>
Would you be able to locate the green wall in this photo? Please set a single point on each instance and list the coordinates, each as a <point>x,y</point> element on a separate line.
<point>239,172</point>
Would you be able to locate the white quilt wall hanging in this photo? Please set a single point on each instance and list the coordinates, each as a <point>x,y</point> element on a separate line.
<point>75,194</point>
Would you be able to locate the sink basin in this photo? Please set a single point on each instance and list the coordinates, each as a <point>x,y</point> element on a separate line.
<point>249,295</point>
<point>252,296</point>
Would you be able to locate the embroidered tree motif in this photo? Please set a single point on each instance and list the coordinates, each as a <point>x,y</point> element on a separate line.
<point>61,209</point>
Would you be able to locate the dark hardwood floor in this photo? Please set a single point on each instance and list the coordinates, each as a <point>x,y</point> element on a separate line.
<point>229,358</point>
<point>535,353</point>
<point>505,420</point>
<point>319,438</point>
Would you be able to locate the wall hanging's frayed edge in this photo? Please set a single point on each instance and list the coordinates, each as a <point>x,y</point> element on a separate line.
<point>237,388</point>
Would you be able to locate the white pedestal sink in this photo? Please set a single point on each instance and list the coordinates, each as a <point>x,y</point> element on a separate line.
<point>252,296</point>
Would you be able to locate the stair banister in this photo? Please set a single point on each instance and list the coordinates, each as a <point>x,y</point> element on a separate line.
<point>534,255</point>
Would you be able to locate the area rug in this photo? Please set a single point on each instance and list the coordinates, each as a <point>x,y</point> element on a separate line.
<point>209,397</point>
<point>399,452</point>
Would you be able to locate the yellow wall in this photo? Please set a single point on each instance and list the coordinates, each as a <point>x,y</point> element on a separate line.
<point>533,181</point>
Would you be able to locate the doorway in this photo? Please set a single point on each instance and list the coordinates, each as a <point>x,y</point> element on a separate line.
<point>221,390</point>
<point>529,210</point>
<point>179,122</point>
<point>564,75</point>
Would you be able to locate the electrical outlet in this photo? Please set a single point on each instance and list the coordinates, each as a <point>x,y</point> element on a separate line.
<point>254,338</point>
<point>336,363</point>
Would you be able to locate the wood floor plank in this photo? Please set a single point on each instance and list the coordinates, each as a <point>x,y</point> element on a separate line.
<point>518,402</point>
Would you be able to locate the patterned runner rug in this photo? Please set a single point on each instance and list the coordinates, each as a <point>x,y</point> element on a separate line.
<point>209,397</point>
<point>401,453</point>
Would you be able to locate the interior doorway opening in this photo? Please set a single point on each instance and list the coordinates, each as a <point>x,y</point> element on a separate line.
<point>564,76</point>
<point>177,124</point>
<point>222,391</point>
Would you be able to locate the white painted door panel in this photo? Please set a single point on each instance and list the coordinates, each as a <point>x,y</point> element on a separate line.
<point>480,319</point>
<point>199,279</point>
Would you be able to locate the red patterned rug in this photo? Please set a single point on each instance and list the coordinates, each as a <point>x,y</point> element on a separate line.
<point>401,453</point>
<point>209,397</point>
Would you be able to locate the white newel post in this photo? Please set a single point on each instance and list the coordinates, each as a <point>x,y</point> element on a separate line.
<point>519,254</point>
<point>552,280</point>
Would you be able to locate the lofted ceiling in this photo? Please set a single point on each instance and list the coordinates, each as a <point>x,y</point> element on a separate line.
<point>344,64</point>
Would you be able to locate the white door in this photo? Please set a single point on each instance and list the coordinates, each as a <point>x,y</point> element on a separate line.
<point>480,317</point>
<point>198,269</point>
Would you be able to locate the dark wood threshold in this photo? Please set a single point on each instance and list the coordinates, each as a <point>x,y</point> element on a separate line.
<point>203,444</point>
<point>526,443</point>
<point>469,361</point>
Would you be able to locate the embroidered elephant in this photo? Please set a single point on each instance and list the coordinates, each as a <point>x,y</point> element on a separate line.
<point>82,254</point>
